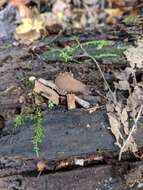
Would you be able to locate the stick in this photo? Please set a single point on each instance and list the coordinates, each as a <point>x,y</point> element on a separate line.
<point>131,132</point>
<point>98,66</point>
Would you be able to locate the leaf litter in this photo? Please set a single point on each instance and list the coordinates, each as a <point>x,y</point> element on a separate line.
<point>120,113</point>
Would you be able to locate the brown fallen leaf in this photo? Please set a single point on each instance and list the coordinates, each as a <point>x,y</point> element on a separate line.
<point>46,92</point>
<point>66,83</point>
<point>71,101</point>
<point>122,85</point>
<point>135,55</point>
<point>115,129</point>
<point>113,13</point>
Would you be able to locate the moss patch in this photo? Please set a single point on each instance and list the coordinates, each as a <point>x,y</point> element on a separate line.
<point>98,48</point>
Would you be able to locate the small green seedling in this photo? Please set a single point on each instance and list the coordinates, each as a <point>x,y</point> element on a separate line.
<point>50,105</point>
<point>67,53</point>
<point>37,118</point>
<point>19,120</point>
<point>38,132</point>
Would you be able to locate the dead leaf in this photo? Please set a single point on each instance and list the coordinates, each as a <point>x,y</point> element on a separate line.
<point>124,120</point>
<point>113,13</point>
<point>124,75</point>
<point>135,100</point>
<point>31,27</point>
<point>115,128</point>
<point>122,85</point>
<point>135,56</point>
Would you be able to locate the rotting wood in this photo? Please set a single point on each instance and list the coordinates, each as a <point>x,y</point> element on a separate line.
<point>100,177</point>
<point>65,134</point>
<point>71,101</point>
<point>46,92</point>
<point>27,165</point>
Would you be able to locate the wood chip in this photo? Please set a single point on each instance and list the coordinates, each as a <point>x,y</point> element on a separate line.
<point>71,101</point>
<point>46,92</point>
<point>82,102</point>
<point>48,83</point>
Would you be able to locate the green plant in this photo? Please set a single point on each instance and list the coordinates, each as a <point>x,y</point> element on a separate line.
<point>67,53</point>
<point>50,104</point>
<point>33,114</point>
<point>38,132</point>
<point>19,120</point>
<point>98,43</point>
<point>131,19</point>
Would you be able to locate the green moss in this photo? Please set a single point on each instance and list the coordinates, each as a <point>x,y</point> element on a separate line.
<point>32,114</point>
<point>97,48</point>
<point>99,44</point>
<point>132,19</point>
<point>67,53</point>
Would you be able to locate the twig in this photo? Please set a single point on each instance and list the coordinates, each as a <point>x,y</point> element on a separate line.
<point>131,132</point>
<point>98,66</point>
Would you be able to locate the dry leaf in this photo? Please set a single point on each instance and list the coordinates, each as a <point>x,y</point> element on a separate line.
<point>135,56</point>
<point>122,85</point>
<point>113,13</point>
<point>30,28</point>
<point>115,128</point>
<point>124,120</point>
<point>124,75</point>
<point>135,100</point>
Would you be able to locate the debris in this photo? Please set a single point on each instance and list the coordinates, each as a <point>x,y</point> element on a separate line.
<point>41,166</point>
<point>134,176</point>
<point>48,83</point>
<point>71,101</point>
<point>79,162</point>
<point>93,109</point>
<point>82,102</point>
<point>46,92</point>
<point>135,55</point>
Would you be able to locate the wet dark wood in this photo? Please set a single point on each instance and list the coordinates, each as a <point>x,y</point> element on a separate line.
<point>100,177</point>
<point>65,134</point>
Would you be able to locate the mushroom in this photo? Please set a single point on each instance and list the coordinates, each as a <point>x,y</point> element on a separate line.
<point>66,84</point>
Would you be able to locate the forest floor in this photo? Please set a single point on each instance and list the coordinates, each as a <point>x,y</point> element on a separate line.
<point>50,142</point>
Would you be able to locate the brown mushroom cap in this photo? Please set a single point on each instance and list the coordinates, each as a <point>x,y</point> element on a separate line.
<point>66,83</point>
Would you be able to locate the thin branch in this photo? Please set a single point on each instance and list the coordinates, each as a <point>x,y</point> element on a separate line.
<point>131,132</point>
<point>99,68</point>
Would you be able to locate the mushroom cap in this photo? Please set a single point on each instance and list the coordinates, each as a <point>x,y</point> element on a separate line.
<point>66,83</point>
